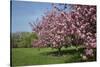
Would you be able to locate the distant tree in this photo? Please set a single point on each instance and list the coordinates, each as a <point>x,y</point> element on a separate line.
<point>22,39</point>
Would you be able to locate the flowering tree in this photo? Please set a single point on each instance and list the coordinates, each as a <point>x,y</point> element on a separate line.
<point>84,23</point>
<point>52,31</point>
<point>60,28</point>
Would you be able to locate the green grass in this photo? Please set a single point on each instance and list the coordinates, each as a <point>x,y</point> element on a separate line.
<point>32,56</point>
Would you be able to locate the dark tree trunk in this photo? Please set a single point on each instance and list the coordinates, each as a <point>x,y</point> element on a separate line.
<point>59,51</point>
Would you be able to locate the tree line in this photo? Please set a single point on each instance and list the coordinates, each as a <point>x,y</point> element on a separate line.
<point>22,39</point>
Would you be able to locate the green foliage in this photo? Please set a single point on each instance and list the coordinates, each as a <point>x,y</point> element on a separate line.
<point>22,39</point>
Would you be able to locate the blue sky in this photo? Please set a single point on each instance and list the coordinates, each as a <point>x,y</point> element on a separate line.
<point>24,12</point>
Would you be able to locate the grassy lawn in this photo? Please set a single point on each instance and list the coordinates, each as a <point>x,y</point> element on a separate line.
<point>32,56</point>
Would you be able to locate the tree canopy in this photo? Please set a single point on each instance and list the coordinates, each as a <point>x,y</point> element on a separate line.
<point>60,28</point>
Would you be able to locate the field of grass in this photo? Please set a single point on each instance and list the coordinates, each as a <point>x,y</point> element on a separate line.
<point>34,56</point>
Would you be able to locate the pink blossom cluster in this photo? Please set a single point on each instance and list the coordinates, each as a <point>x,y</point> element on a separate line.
<point>84,19</point>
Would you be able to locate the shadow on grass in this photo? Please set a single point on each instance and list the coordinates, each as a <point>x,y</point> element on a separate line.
<point>64,52</point>
<point>73,53</point>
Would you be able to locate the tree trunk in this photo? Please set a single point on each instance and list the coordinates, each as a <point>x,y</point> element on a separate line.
<point>59,51</point>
